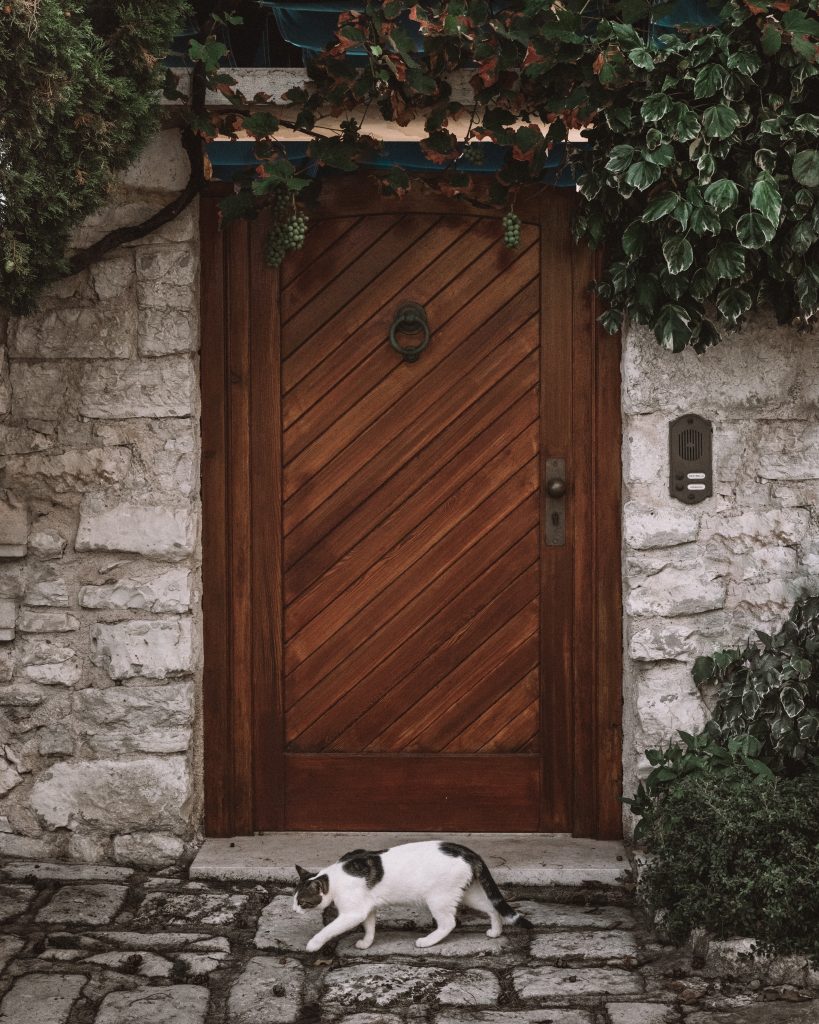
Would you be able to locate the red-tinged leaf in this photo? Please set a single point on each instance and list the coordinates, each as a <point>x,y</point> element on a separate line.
<point>399,68</point>
<point>599,61</point>
<point>488,72</point>
<point>532,56</point>
<point>753,8</point>
<point>440,147</point>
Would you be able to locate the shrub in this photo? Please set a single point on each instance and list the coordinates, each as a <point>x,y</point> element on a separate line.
<point>737,854</point>
<point>770,690</point>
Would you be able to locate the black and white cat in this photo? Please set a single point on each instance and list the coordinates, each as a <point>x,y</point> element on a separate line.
<point>441,875</point>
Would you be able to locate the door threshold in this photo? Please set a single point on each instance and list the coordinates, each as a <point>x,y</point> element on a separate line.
<point>515,858</point>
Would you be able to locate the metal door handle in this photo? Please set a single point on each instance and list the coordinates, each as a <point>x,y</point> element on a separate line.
<point>554,530</point>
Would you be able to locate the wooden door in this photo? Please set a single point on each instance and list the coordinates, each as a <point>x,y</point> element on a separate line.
<point>404,649</point>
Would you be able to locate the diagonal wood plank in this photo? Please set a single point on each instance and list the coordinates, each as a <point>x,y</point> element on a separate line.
<point>452,707</point>
<point>521,733</point>
<point>408,378</point>
<point>493,511</point>
<point>355,332</point>
<point>485,421</point>
<point>311,289</point>
<point>418,528</point>
<point>399,454</point>
<point>449,672</point>
<point>317,473</point>
<point>501,717</point>
<point>300,260</point>
<point>441,611</point>
<point>512,439</point>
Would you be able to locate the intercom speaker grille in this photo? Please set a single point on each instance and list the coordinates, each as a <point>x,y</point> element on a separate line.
<point>690,445</point>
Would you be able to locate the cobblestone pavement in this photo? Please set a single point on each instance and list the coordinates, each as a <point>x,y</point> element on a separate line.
<point>101,945</point>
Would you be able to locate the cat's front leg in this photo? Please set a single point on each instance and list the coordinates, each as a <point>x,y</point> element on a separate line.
<point>369,932</point>
<point>343,923</point>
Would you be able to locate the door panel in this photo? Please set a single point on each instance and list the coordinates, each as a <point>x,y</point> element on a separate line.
<point>400,646</point>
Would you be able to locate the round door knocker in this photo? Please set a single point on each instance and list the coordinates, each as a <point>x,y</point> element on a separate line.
<point>410,318</point>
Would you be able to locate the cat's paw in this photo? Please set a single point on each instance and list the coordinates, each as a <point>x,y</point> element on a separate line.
<point>425,940</point>
<point>495,933</point>
<point>314,945</point>
<point>363,943</point>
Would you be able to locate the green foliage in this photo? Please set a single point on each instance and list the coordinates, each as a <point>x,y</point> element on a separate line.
<point>769,690</point>
<point>701,179</point>
<point>79,81</point>
<point>737,854</point>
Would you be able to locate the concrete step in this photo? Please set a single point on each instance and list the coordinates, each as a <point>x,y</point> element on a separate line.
<point>513,858</point>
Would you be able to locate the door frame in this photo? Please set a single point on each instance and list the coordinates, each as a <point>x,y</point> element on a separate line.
<point>581,637</point>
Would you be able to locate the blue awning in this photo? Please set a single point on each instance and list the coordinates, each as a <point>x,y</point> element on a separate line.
<point>229,158</point>
<point>313,27</point>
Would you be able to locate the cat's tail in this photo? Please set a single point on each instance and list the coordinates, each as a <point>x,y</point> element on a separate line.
<point>510,916</point>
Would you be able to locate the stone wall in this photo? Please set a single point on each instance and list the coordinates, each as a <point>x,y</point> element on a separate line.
<point>99,546</point>
<point>703,577</point>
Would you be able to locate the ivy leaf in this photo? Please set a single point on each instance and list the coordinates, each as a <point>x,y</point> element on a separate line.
<point>611,321</point>
<point>771,40</point>
<point>641,175</point>
<point>802,238</point>
<point>806,168</point>
<point>619,158</point>
<point>720,121</point>
<point>634,238</point>
<point>744,61</point>
<point>800,24</point>
<point>732,302</point>
<point>703,669</point>
<point>765,197</point>
<point>754,230</point>
<point>662,156</point>
<point>672,328</point>
<point>709,81</point>
<point>792,701</point>
<point>722,194</point>
<point>655,107</point>
<point>687,124</point>
<point>660,207</point>
<point>727,260</point>
<point>678,254</point>
<point>704,221</point>
<point>640,57</point>
<point>807,123</point>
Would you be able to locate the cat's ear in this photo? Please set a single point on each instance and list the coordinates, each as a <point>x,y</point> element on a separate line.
<point>303,874</point>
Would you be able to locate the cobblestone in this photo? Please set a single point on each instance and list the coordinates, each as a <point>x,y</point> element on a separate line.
<point>102,945</point>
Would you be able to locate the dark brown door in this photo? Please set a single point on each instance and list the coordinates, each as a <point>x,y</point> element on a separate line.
<point>401,644</point>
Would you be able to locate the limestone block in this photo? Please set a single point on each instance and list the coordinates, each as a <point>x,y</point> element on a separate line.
<point>112,277</point>
<point>174,1004</point>
<point>66,673</point>
<point>547,1015</point>
<point>8,617</point>
<point>148,849</point>
<point>153,530</point>
<point>673,592</point>
<point>84,904</point>
<point>789,451</point>
<point>85,849</point>
<point>7,663</point>
<point>30,621</point>
<point>56,740</point>
<point>280,928</point>
<point>192,909</point>
<point>47,593</point>
<point>118,389</point>
<point>677,639</point>
<point>474,988</point>
<point>585,946</point>
<point>123,212</point>
<point>168,592</point>
<point>161,332</point>
<point>645,526</point>
<point>15,440</point>
<point>761,367</point>
<point>642,1013</point>
<point>162,166</point>
<point>9,776</point>
<point>45,391</point>
<point>383,984</point>
<point>104,331</point>
<point>20,695</point>
<point>745,530</point>
<point>27,847</point>
<point>10,946</point>
<point>141,719</point>
<point>14,899</point>
<point>5,383</point>
<point>46,544</point>
<point>149,793</point>
<point>153,648</point>
<point>40,651</point>
<point>667,701</point>
<point>42,998</point>
<point>166,278</point>
<point>268,991</point>
<point>13,530</point>
<point>73,471</point>
<point>569,982</point>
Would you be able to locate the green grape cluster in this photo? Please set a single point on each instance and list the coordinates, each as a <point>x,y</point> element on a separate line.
<point>511,230</point>
<point>288,232</point>
<point>474,154</point>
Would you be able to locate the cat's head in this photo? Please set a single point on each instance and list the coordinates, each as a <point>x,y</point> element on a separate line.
<point>312,892</point>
